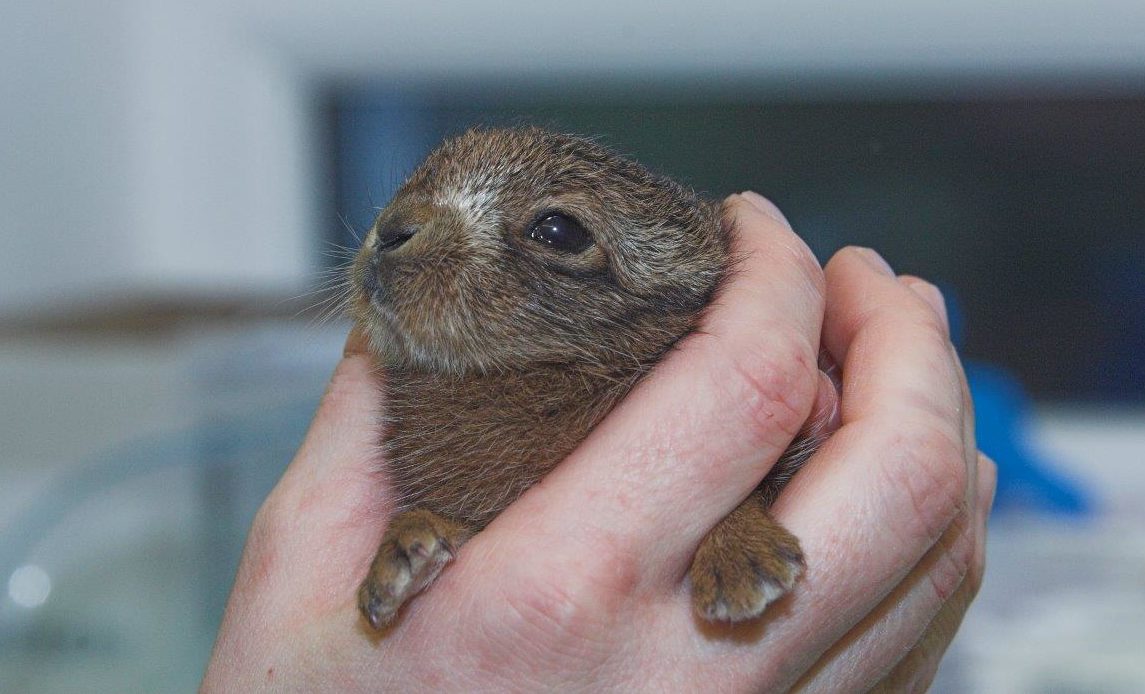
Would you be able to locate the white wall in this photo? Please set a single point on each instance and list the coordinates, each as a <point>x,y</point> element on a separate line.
<point>153,146</point>
<point>148,147</point>
<point>220,154</point>
<point>63,149</point>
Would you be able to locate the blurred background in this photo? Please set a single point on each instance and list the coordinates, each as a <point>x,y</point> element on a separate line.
<point>177,178</point>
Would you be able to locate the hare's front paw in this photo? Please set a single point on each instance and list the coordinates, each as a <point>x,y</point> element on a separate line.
<point>415,548</point>
<point>738,572</point>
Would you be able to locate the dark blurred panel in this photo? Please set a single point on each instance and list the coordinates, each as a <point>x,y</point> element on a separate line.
<point>1030,213</point>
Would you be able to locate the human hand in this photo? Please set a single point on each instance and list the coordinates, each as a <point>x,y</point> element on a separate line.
<point>897,358</point>
<point>580,582</point>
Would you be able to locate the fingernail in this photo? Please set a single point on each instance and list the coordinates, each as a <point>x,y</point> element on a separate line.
<point>765,206</point>
<point>830,415</point>
<point>356,342</point>
<point>875,260</point>
<point>933,297</point>
<point>830,369</point>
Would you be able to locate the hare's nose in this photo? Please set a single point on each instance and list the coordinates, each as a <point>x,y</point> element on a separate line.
<point>391,236</point>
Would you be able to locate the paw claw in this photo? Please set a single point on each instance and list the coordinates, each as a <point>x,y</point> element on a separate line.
<point>373,614</point>
<point>737,584</point>
<point>409,558</point>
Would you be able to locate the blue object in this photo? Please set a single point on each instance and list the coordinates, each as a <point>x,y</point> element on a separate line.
<point>1002,423</point>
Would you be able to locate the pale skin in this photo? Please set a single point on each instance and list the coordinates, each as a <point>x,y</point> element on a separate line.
<point>581,584</point>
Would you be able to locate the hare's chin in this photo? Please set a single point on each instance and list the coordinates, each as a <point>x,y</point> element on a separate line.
<point>379,309</point>
<point>381,318</point>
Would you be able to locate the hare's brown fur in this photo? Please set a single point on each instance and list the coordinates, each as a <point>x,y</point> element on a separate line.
<point>501,353</point>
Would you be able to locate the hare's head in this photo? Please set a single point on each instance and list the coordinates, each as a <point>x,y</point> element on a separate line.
<point>511,248</point>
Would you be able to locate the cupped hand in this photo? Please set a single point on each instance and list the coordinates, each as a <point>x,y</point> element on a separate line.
<point>580,584</point>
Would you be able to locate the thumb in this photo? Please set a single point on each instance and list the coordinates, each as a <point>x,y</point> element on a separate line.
<point>324,518</point>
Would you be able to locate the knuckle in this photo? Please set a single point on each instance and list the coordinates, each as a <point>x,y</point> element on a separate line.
<point>556,620</point>
<point>977,570</point>
<point>907,315</point>
<point>811,268</point>
<point>987,485</point>
<point>952,570</point>
<point>563,603</point>
<point>263,552</point>
<point>270,519</point>
<point>928,466</point>
<point>806,264</point>
<point>772,389</point>
<point>553,611</point>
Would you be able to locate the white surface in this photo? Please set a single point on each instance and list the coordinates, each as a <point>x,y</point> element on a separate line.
<point>1062,608</point>
<point>29,586</point>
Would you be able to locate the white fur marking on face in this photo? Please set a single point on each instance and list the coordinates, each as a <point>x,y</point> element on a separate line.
<point>474,203</point>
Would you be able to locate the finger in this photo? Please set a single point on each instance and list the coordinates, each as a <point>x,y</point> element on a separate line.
<point>824,419</point>
<point>341,444</point>
<point>937,303</point>
<point>854,333</point>
<point>920,617</point>
<point>916,671</point>
<point>699,433</point>
<point>931,295</point>
<point>880,493</point>
<point>902,407</point>
<point>357,343</point>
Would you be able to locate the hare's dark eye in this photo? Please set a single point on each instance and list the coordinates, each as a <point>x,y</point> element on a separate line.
<point>561,232</point>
